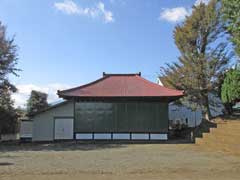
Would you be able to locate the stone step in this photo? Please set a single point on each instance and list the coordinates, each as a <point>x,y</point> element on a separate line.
<point>225,129</point>
<point>218,144</point>
<point>234,125</point>
<point>225,138</point>
<point>228,122</point>
<point>225,133</point>
<point>215,138</point>
<point>235,149</point>
<point>220,139</point>
<point>220,134</point>
<point>229,127</point>
<point>198,141</point>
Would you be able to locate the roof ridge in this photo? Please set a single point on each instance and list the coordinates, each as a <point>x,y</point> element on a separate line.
<point>121,74</point>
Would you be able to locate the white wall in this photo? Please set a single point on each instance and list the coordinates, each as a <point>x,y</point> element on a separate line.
<point>43,123</point>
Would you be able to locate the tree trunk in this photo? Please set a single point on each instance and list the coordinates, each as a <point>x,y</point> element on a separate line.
<point>207,113</point>
<point>206,108</point>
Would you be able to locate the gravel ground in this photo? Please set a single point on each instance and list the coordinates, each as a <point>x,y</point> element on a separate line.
<point>115,161</point>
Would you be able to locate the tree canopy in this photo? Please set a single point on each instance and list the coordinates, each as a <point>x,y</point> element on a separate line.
<point>8,115</point>
<point>231,14</point>
<point>8,59</point>
<point>230,92</point>
<point>36,102</point>
<point>8,62</point>
<point>203,56</point>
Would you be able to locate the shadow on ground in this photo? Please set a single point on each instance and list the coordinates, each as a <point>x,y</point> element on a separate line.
<point>79,145</point>
<point>59,146</point>
<point>6,164</point>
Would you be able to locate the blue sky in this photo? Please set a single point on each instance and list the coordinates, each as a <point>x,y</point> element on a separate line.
<point>64,43</point>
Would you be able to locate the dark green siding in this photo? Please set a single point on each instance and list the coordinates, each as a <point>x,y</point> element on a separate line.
<point>121,117</point>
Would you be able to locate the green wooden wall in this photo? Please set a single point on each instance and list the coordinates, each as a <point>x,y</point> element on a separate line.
<point>121,117</point>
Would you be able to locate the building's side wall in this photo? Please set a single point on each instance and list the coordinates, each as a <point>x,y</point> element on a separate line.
<point>43,123</point>
<point>26,129</point>
<point>121,117</point>
<point>184,115</point>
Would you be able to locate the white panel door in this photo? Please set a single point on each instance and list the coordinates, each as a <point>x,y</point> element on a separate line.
<point>63,128</point>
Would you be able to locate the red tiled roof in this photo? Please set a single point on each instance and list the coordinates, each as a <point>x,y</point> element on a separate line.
<point>120,85</point>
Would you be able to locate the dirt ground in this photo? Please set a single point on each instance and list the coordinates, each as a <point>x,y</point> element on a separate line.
<point>115,161</point>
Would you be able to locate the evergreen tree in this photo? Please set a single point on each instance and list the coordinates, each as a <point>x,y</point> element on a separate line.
<point>8,62</point>
<point>230,92</point>
<point>231,15</point>
<point>8,115</point>
<point>36,102</point>
<point>203,56</point>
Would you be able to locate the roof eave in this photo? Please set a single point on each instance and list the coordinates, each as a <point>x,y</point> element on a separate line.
<point>121,98</point>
